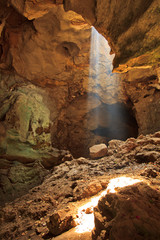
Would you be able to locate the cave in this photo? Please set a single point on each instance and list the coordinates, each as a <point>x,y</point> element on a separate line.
<point>79,120</point>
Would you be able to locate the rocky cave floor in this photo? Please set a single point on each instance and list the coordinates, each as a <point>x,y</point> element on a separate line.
<point>48,210</point>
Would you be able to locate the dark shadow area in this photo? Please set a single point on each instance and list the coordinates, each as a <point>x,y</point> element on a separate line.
<point>115,122</point>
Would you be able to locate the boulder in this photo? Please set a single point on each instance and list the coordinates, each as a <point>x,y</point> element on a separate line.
<point>131,213</point>
<point>97,151</point>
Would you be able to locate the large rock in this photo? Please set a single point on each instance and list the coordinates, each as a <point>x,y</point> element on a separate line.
<point>37,44</point>
<point>68,80</point>
<point>33,10</point>
<point>49,104</point>
<point>147,156</point>
<point>86,9</point>
<point>97,151</point>
<point>132,213</point>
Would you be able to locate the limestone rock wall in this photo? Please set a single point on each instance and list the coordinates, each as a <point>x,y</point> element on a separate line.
<point>143,90</point>
<point>67,95</point>
<point>132,28</point>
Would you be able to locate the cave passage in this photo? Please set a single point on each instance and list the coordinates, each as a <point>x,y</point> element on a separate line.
<point>116,122</point>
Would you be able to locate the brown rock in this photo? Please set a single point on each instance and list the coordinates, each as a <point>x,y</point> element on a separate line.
<point>92,189</point>
<point>86,9</point>
<point>60,222</point>
<point>98,151</point>
<point>149,173</point>
<point>132,213</point>
<point>115,144</point>
<point>33,9</point>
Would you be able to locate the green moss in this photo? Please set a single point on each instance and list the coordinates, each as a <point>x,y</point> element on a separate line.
<point>23,150</point>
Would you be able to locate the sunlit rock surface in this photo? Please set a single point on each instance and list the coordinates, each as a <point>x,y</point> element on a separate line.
<point>55,53</point>
<point>131,213</point>
<point>57,89</point>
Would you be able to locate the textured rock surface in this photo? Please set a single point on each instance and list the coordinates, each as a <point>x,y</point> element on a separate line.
<point>131,29</point>
<point>142,87</point>
<point>52,51</point>
<point>16,178</point>
<point>132,213</point>
<point>45,48</point>
<point>64,104</point>
<point>97,151</point>
<point>60,222</point>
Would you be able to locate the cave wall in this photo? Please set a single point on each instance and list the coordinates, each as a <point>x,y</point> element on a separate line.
<point>53,57</point>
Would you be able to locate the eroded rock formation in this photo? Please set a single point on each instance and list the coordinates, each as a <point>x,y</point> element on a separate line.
<point>131,28</point>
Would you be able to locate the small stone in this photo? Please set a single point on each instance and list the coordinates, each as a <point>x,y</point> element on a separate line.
<point>60,222</point>
<point>98,151</point>
<point>89,210</point>
<point>67,157</point>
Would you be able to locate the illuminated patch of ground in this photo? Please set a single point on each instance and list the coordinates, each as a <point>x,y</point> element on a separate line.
<point>85,220</point>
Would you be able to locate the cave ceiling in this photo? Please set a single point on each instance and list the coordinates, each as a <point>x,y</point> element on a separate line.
<point>131,28</point>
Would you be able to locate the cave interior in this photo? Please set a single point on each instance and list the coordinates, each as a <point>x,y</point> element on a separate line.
<point>79,120</point>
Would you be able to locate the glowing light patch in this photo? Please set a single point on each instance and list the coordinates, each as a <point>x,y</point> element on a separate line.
<point>119,183</point>
<point>85,216</point>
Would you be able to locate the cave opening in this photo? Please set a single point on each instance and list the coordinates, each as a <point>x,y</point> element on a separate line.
<point>115,122</point>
